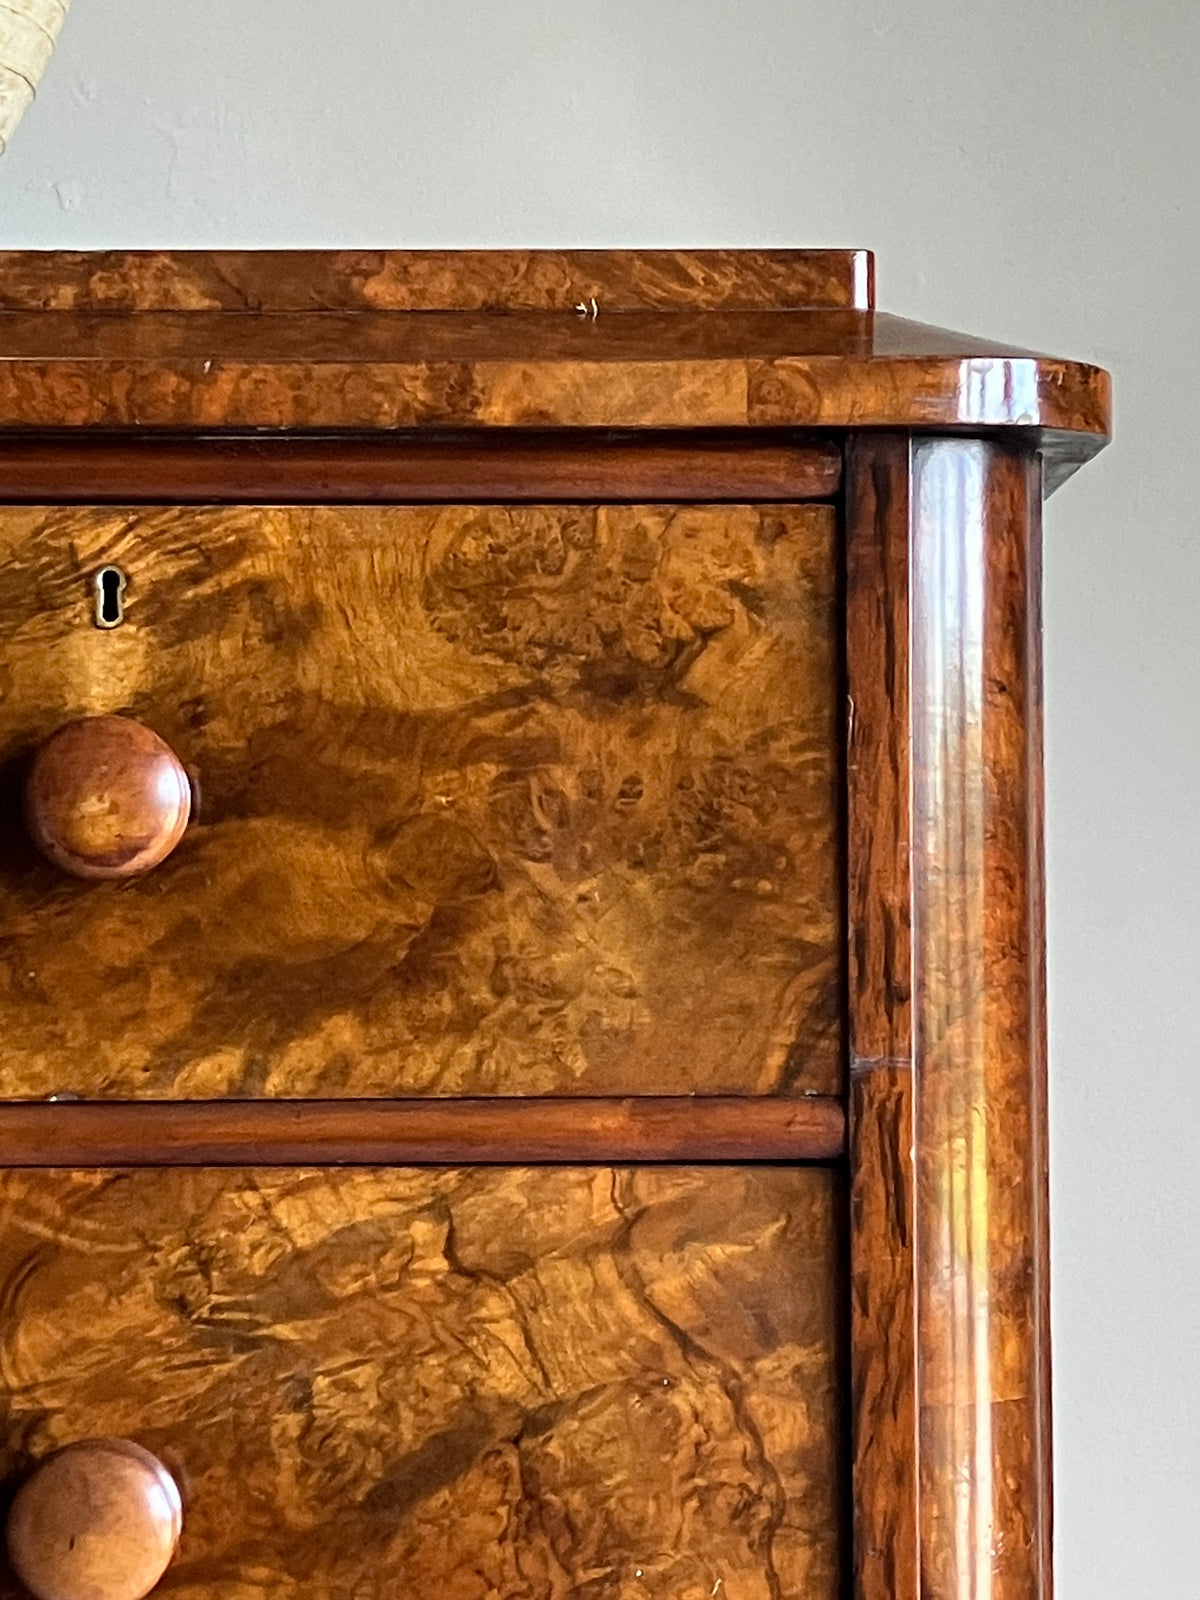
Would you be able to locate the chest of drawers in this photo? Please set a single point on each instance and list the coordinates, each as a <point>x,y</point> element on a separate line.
<point>521,964</point>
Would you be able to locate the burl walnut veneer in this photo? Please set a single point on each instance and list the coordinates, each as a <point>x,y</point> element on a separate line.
<point>521,930</point>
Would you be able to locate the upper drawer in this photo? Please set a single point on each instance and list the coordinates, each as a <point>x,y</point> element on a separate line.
<point>490,800</point>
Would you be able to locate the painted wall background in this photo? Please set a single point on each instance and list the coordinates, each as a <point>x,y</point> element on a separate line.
<point>1027,171</point>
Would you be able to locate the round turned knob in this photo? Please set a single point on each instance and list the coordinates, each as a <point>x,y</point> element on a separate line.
<point>98,1520</point>
<point>106,798</point>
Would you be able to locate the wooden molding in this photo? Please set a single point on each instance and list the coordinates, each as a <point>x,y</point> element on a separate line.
<point>132,468</point>
<point>882,1171</point>
<point>282,1133</point>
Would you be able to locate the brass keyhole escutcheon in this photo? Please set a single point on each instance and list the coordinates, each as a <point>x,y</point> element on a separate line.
<point>109,585</point>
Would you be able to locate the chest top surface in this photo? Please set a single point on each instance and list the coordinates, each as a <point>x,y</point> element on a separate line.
<point>392,339</point>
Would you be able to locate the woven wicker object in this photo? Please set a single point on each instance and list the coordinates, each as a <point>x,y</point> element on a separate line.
<point>28,29</point>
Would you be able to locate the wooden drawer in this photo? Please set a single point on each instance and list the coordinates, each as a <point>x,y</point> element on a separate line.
<point>432,1193</point>
<point>492,800</point>
<point>479,1382</point>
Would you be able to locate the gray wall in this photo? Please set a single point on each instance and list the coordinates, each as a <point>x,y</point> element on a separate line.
<point>1027,171</point>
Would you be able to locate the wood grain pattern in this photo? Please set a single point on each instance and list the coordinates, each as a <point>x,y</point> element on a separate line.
<point>944,554</point>
<point>430,280</point>
<point>492,801</point>
<point>650,388</point>
<point>883,1334</point>
<point>679,340</point>
<point>105,797</point>
<point>508,1385</point>
<point>878,760</point>
<point>468,337</point>
<point>1039,1108</point>
<point>538,800</point>
<point>362,469</point>
<point>980,1141</point>
<point>884,1378</point>
<point>412,1132</point>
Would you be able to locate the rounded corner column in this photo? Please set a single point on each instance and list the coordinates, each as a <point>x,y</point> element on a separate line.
<point>949,1251</point>
<point>978,1031</point>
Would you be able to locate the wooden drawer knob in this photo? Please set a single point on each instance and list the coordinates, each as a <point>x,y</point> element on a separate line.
<point>98,1520</point>
<point>106,798</point>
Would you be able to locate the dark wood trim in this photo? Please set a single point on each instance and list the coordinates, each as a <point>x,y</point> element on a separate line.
<point>518,465</point>
<point>278,1133</point>
<point>879,824</point>
<point>1040,1105</point>
<point>882,1173</point>
<point>883,1333</point>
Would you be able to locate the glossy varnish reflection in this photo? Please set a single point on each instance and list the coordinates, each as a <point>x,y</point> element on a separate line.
<point>431,1131</point>
<point>106,798</point>
<point>492,340</point>
<point>949,1229</point>
<point>492,1385</point>
<point>493,800</point>
<point>979,1138</point>
<point>879,925</point>
<point>849,385</point>
<point>96,1520</point>
<point>519,838</point>
<point>370,468</point>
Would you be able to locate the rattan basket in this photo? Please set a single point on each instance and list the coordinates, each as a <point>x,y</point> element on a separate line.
<point>28,29</point>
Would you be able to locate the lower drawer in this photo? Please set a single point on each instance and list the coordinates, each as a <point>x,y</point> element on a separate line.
<point>479,1382</point>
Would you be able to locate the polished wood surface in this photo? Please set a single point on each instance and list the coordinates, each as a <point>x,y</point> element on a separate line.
<point>250,281</point>
<point>410,1132</point>
<point>576,816</point>
<point>951,530</point>
<point>980,1142</point>
<point>814,369</point>
<point>363,469</point>
<point>1039,1088</point>
<point>97,1520</point>
<point>878,757</point>
<point>883,1346</point>
<point>106,798</point>
<point>536,800</point>
<point>480,1383</point>
<point>413,340</point>
<point>481,338</point>
<point>883,1335</point>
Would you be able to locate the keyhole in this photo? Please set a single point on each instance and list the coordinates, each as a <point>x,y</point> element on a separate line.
<point>110,597</point>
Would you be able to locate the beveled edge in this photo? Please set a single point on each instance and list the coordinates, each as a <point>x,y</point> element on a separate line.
<point>1067,405</point>
<point>1063,407</point>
